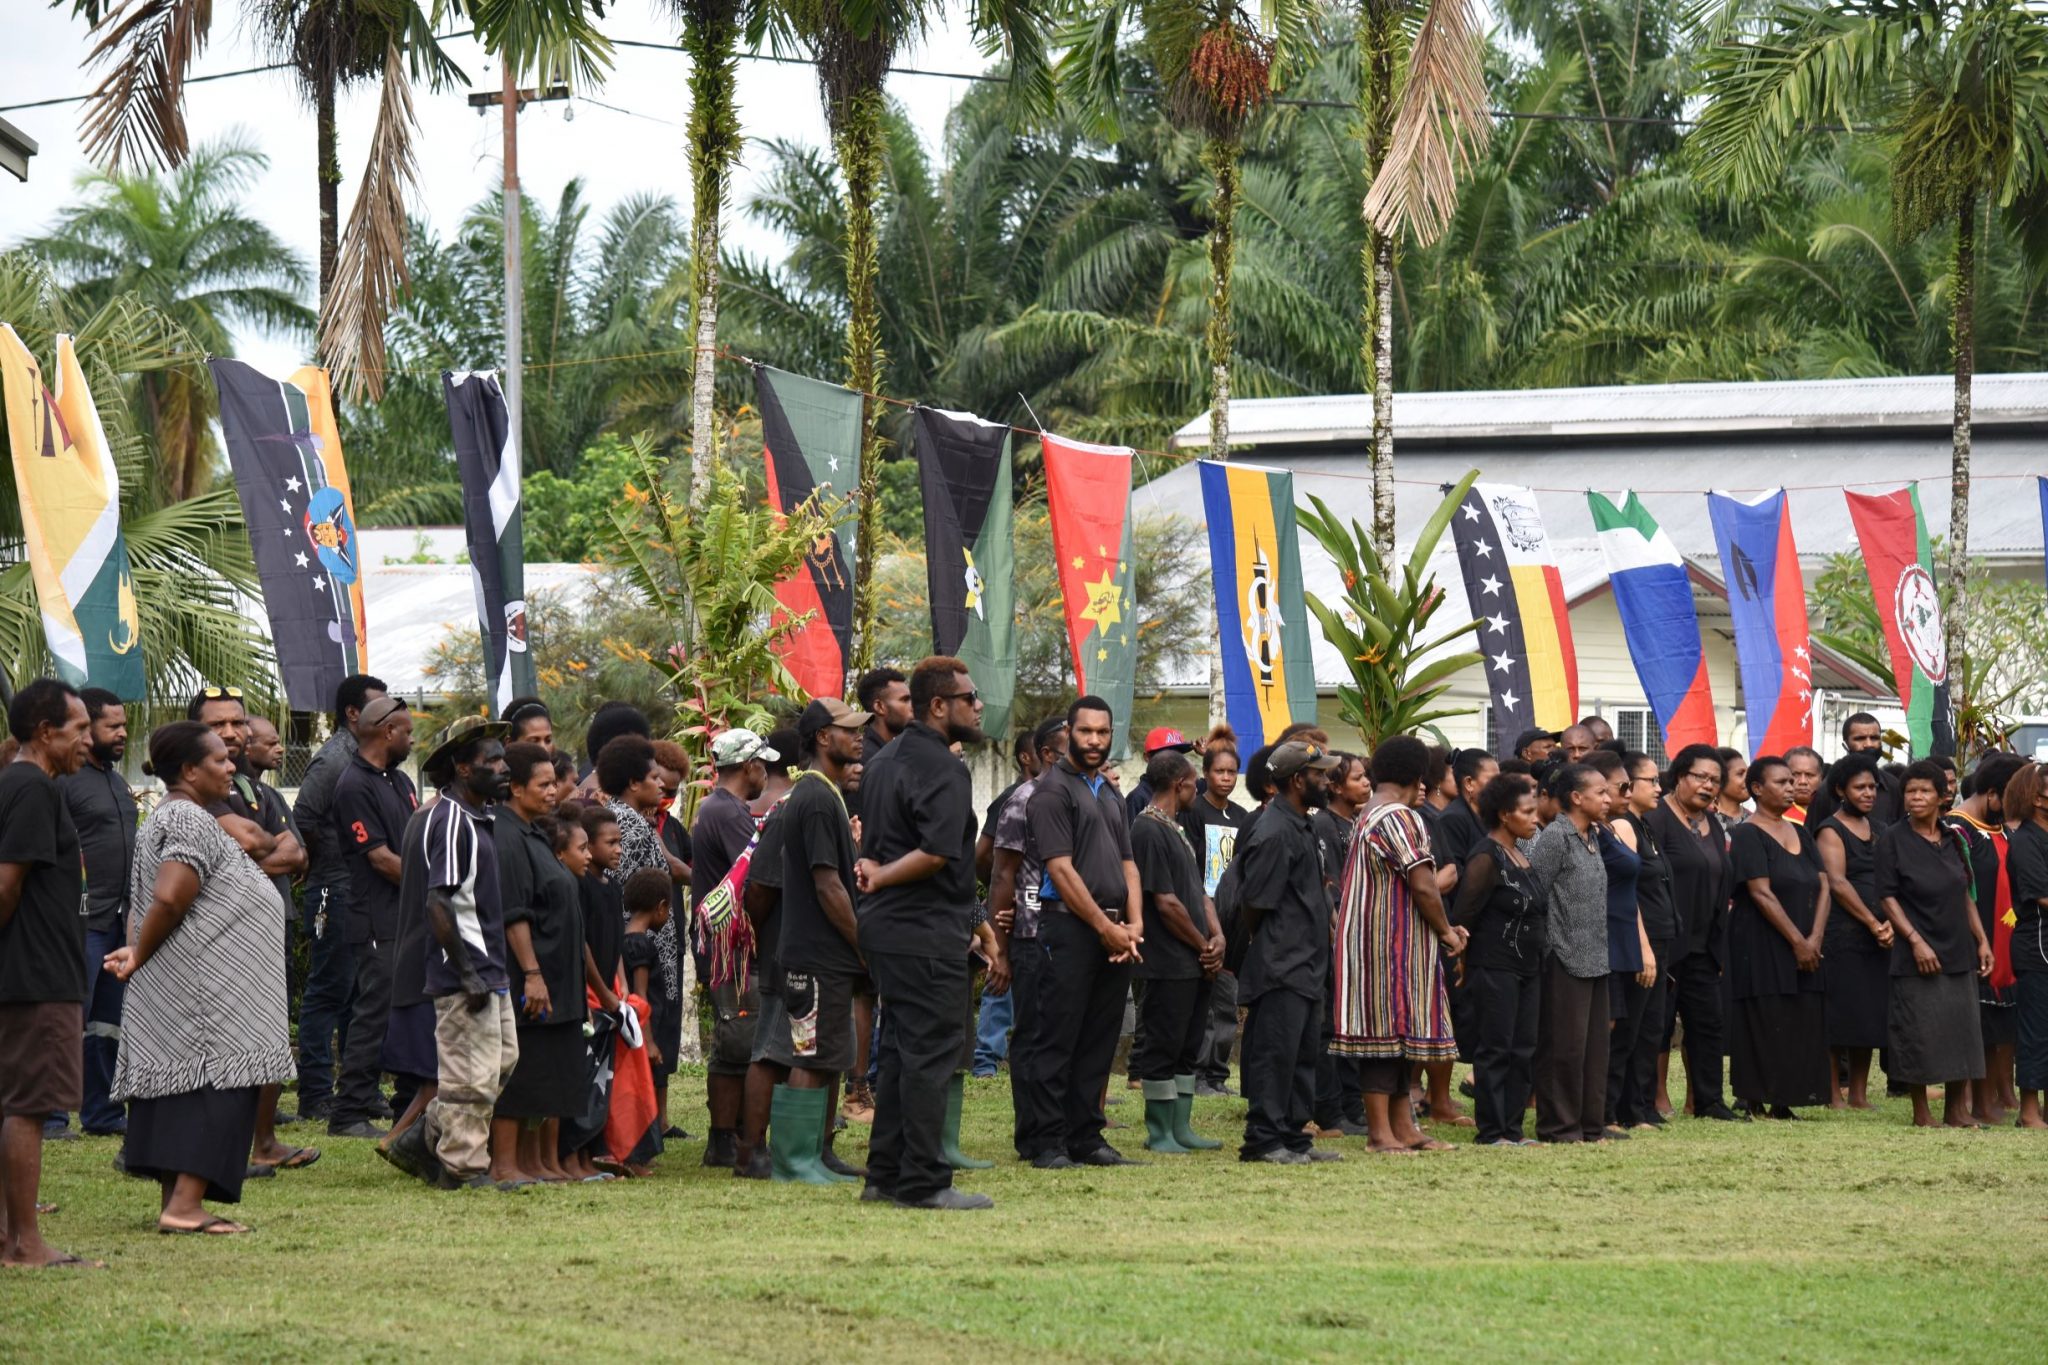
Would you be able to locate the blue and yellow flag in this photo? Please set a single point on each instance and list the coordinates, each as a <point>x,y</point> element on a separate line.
<point>1269,678</point>
<point>71,522</point>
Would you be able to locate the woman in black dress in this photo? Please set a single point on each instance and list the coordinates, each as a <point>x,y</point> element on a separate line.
<point>1857,957</point>
<point>1639,1033</point>
<point>2026,865</point>
<point>1501,904</point>
<point>1779,1052</point>
<point>1923,876</point>
<point>1692,841</point>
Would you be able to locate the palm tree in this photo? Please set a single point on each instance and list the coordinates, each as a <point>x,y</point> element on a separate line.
<point>1956,90</point>
<point>191,563</point>
<point>182,244</point>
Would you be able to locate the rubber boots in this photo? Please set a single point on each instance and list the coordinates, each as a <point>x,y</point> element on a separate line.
<point>1160,1113</point>
<point>1183,1117</point>
<point>956,1095</point>
<point>796,1135</point>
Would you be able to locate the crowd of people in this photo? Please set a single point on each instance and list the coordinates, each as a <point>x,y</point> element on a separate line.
<point>513,952</point>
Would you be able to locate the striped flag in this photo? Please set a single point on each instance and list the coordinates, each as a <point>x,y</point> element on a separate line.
<point>71,522</point>
<point>1532,672</point>
<point>1892,532</point>
<point>811,434</point>
<point>963,465</point>
<point>1269,679</point>
<point>1088,493</point>
<point>487,457</point>
<point>1654,598</point>
<point>1767,600</point>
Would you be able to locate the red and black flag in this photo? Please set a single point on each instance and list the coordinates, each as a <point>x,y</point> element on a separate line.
<point>963,465</point>
<point>811,431</point>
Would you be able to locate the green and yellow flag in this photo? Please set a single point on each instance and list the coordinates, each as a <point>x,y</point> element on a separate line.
<point>71,521</point>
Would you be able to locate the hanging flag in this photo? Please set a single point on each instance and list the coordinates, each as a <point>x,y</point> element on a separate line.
<point>963,466</point>
<point>2041,488</point>
<point>71,522</point>
<point>1532,671</point>
<point>1088,492</point>
<point>811,431</point>
<point>1893,533</point>
<point>1658,620</point>
<point>487,457</point>
<point>294,493</point>
<point>1269,679</point>
<point>1767,599</point>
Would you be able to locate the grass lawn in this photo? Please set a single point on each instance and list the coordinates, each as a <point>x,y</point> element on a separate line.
<point>1845,1236</point>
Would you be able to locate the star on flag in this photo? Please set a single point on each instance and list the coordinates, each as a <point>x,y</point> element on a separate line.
<point>1483,549</point>
<point>1503,662</point>
<point>300,560</point>
<point>283,506</point>
<point>1471,512</point>
<point>1492,586</point>
<point>1509,700</point>
<point>292,485</point>
<point>1105,602</point>
<point>1497,624</point>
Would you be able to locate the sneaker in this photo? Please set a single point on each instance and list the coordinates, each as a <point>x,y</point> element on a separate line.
<point>958,1201</point>
<point>361,1128</point>
<point>1282,1156</point>
<point>1323,1154</point>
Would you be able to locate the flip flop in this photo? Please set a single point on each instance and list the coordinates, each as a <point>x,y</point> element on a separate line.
<point>213,1226</point>
<point>259,1171</point>
<point>67,1261</point>
<point>45,1210</point>
<point>598,1179</point>
<point>297,1159</point>
<point>1430,1145</point>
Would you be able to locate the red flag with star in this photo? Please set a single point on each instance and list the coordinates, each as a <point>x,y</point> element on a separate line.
<point>1088,492</point>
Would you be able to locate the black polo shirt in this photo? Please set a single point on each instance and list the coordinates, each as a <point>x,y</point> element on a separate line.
<point>1280,876</point>
<point>371,807</point>
<point>1081,818</point>
<point>815,833</point>
<point>916,795</point>
<point>1167,867</point>
<point>538,891</point>
<point>103,811</point>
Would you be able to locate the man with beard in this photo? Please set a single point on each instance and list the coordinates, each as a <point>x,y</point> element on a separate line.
<point>916,878</point>
<point>103,809</point>
<point>1862,733</point>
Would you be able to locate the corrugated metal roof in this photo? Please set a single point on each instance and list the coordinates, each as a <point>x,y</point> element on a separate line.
<point>1633,410</point>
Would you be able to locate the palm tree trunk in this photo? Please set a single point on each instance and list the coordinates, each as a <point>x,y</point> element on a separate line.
<point>1380,36</point>
<point>1222,156</point>
<point>1963,328</point>
<point>328,155</point>
<point>861,149</point>
<point>711,38</point>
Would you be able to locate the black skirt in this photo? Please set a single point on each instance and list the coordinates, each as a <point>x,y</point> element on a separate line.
<point>409,1047</point>
<point>1999,1023</point>
<point>552,1077</point>
<point>203,1132</point>
<point>1778,1051</point>
<point>1935,1036</point>
<point>1859,985</point>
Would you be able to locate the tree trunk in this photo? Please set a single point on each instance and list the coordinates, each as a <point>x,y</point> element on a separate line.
<point>1222,155</point>
<point>861,147</point>
<point>711,38</point>
<point>1380,38</point>
<point>1962,329</point>
<point>328,155</point>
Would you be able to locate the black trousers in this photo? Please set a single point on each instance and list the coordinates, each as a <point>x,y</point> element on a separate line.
<point>1571,1056</point>
<point>1283,1036</point>
<point>1338,1095</point>
<point>1173,1016</point>
<point>1504,1027</point>
<point>1632,1047</point>
<point>1464,998</point>
<point>1213,1065</point>
<point>1027,971</point>
<point>1081,1014</point>
<point>927,998</point>
<point>1696,998</point>
<point>356,1092</point>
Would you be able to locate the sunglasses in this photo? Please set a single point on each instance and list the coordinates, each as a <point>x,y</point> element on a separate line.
<point>969,697</point>
<point>221,693</point>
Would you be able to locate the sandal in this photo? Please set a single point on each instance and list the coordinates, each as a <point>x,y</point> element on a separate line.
<point>44,1210</point>
<point>1430,1144</point>
<point>65,1261</point>
<point>298,1158</point>
<point>211,1226</point>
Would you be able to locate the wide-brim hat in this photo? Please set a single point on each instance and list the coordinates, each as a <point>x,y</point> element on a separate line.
<point>459,732</point>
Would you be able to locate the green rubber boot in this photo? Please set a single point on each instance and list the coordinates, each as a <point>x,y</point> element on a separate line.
<point>1183,1117</point>
<point>956,1096</point>
<point>1160,1099</point>
<point>796,1134</point>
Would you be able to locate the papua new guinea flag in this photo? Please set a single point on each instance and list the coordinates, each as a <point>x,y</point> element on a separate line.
<point>1893,533</point>
<point>1088,493</point>
<point>1269,678</point>
<point>71,522</point>
<point>487,458</point>
<point>300,526</point>
<point>1658,619</point>
<point>811,431</point>
<point>1532,670</point>
<point>963,467</point>
<point>1767,599</point>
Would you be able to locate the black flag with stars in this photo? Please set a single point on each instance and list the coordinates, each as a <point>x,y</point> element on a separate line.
<point>1482,556</point>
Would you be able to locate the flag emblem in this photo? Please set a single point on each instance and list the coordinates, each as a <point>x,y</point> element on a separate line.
<point>964,472</point>
<point>1918,611</point>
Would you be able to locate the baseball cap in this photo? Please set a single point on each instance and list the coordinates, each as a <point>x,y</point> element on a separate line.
<point>740,745</point>
<point>1291,757</point>
<point>1528,737</point>
<point>1165,737</point>
<point>829,713</point>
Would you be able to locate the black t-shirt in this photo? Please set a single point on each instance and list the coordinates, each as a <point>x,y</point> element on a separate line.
<point>1932,883</point>
<point>917,795</point>
<point>724,828</point>
<point>995,808</point>
<point>1214,834</point>
<point>1280,880</point>
<point>638,954</point>
<point>1456,835</point>
<point>1166,866</point>
<point>1699,878</point>
<point>765,870</point>
<point>539,892</point>
<point>1081,818</point>
<point>371,807</point>
<point>604,922</point>
<point>2026,872</point>
<point>103,811</point>
<point>42,949</point>
<point>1504,906</point>
<point>1653,883</point>
<point>815,834</point>
<point>1333,833</point>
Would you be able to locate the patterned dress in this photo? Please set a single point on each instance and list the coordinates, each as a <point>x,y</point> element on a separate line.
<point>1390,1000</point>
<point>640,847</point>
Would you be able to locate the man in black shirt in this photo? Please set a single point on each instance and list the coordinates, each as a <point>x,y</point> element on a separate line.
<point>1285,980</point>
<point>725,826</point>
<point>103,809</point>
<point>1862,733</point>
<point>1213,823</point>
<point>372,801</point>
<point>1092,921</point>
<point>43,900</point>
<point>884,694</point>
<point>916,880</point>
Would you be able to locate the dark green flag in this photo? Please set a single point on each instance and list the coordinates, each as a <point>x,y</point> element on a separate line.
<point>963,465</point>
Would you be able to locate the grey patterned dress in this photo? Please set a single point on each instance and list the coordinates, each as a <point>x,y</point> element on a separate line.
<point>208,1007</point>
<point>640,847</point>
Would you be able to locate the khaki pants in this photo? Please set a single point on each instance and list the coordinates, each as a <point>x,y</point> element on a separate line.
<point>478,1052</point>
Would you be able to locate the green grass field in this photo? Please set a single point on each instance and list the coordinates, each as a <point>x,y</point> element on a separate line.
<point>1849,1236</point>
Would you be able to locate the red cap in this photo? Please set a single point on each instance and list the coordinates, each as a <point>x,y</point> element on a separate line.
<point>1166,738</point>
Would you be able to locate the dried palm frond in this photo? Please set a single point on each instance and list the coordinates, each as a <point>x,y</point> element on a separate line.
<point>369,270</point>
<point>136,116</point>
<point>1443,124</point>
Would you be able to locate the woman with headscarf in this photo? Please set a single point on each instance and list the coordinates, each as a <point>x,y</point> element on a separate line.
<point>1778,1053</point>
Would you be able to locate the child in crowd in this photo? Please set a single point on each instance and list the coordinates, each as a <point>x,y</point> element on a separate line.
<point>648,905</point>
<point>587,843</point>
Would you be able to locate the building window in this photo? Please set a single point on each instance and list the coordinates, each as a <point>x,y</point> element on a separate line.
<point>1636,728</point>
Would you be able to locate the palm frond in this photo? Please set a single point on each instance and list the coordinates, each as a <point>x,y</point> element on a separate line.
<point>370,268</point>
<point>1442,126</point>
<point>135,117</point>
